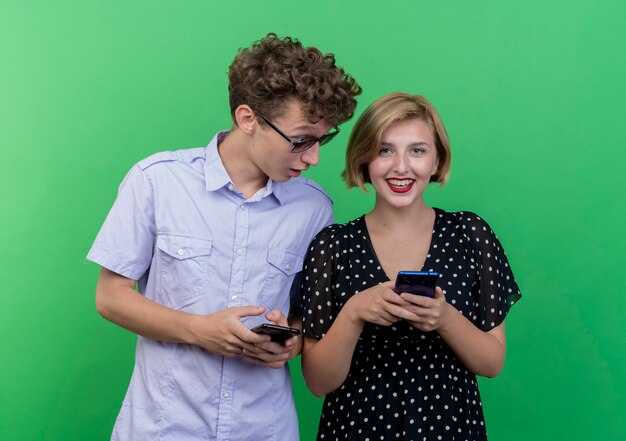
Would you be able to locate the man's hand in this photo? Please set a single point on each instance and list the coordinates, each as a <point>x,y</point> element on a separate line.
<point>223,333</point>
<point>272,354</point>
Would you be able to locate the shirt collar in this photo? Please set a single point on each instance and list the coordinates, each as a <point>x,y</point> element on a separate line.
<point>216,176</point>
<point>278,189</point>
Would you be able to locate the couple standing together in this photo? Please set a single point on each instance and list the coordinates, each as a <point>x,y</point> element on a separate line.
<point>222,238</point>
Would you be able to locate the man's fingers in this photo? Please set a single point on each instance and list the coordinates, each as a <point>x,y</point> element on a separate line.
<point>277,317</point>
<point>251,338</point>
<point>246,311</point>
<point>267,357</point>
<point>290,342</point>
<point>245,335</point>
<point>272,347</point>
<point>235,346</point>
<point>269,364</point>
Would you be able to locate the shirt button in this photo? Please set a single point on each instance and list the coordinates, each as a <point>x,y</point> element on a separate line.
<point>226,394</point>
<point>288,266</point>
<point>239,251</point>
<point>242,207</point>
<point>233,298</point>
<point>180,251</point>
<point>231,187</point>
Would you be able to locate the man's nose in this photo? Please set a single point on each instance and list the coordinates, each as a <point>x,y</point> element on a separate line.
<point>312,155</point>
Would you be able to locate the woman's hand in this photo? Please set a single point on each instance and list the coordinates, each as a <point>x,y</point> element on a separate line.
<point>482,352</point>
<point>380,305</point>
<point>432,313</point>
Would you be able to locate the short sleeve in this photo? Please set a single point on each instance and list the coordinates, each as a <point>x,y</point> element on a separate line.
<point>325,216</point>
<point>125,242</point>
<point>318,277</point>
<point>495,286</point>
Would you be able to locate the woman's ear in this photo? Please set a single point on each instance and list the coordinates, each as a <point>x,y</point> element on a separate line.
<point>245,118</point>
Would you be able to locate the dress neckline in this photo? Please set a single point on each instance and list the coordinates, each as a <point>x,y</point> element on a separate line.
<point>368,241</point>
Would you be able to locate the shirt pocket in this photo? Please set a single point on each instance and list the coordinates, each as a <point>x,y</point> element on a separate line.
<point>282,266</point>
<point>184,263</point>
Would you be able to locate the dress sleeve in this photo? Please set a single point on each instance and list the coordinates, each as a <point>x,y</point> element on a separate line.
<point>495,288</point>
<point>125,242</point>
<point>325,217</point>
<point>318,278</point>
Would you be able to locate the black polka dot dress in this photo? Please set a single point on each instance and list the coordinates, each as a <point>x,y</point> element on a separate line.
<point>405,384</point>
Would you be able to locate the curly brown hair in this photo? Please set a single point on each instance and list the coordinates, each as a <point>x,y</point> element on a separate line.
<point>274,70</point>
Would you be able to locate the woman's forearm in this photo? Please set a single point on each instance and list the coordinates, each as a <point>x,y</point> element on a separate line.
<point>481,352</point>
<point>326,363</point>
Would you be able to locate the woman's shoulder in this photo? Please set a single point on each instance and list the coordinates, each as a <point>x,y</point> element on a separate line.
<point>337,232</point>
<point>474,229</point>
<point>466,220</point>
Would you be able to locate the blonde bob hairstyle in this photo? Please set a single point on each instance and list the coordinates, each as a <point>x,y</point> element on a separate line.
<point>367,133</point>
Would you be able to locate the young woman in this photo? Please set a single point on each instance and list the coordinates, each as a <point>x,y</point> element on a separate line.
<point>402,366</point>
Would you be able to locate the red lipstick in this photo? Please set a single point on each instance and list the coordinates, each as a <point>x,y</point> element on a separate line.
<point>401,185</point>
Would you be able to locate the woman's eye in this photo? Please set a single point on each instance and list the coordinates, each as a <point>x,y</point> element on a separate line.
<point>417,150</point>
<point>384,151</point>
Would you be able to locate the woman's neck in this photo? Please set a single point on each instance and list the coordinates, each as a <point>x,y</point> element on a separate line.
<point>415,217</point>
<point>401,237</point>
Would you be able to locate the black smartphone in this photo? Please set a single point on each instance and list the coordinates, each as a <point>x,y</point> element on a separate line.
<point>278,333</point>
<point>416,282</point>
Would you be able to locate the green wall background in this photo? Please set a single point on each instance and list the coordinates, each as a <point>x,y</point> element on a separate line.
<point>532,94</point>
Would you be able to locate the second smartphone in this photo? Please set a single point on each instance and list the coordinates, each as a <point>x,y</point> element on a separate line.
<point>276,332</point>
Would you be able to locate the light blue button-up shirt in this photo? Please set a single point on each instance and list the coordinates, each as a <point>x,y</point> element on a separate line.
<point>181,228</point>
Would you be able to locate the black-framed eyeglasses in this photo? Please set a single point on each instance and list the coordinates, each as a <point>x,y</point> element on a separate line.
<point>303,144</point>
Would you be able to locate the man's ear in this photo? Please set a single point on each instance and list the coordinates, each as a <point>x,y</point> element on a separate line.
<point>246,118</point>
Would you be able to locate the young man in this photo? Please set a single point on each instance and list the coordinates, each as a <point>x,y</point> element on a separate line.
<point>214,238</point>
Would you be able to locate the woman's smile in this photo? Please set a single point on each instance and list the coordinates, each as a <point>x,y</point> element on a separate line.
<point>398,185</point>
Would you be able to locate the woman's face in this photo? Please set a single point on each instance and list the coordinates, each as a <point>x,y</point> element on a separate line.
<point>406,159</point>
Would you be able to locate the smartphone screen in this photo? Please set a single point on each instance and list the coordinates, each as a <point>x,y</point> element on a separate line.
<point>416,282</point>
<point>276,332</point>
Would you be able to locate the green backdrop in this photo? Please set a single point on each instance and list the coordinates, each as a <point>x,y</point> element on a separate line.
<point>532,94</point>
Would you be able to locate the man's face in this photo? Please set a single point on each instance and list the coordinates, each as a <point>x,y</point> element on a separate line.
<point>271,152</point>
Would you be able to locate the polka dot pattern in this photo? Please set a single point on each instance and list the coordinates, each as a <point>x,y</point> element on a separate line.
<point>405,384</point>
